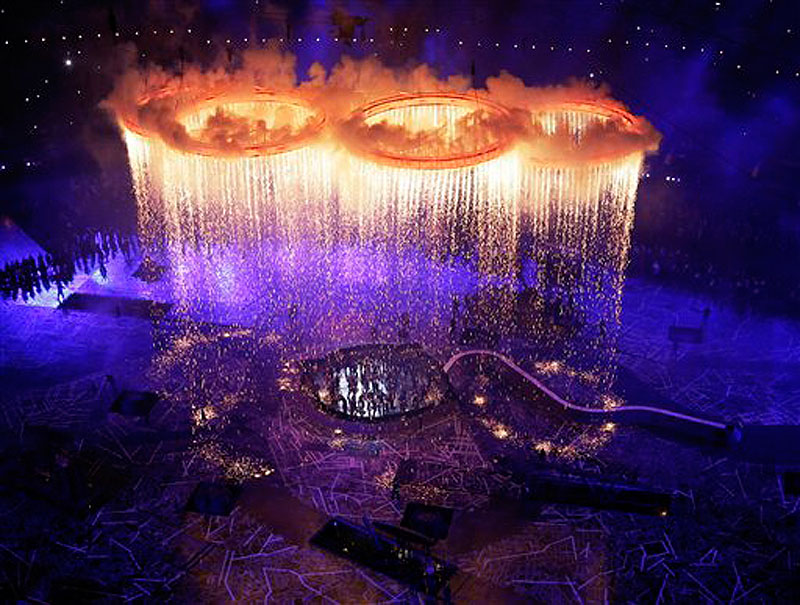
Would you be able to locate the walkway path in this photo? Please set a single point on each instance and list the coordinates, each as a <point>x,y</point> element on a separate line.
<point>571,406</point>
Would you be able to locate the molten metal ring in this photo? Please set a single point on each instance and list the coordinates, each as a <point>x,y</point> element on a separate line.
<point>598,108</point>
<point>131,122</point>
<point>627,122</point>
<point>260,95</point>
<point>432,99</point>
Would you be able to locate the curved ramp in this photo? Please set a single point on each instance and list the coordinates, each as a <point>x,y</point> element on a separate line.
<point>637,410</point>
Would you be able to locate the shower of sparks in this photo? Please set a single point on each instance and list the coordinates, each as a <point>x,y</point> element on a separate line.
<point>323,245</point>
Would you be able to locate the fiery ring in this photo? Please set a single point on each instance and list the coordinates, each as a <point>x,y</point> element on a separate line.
<point>600,110</point>
<point>131,120</point>
<point>432,99</point>
<point>187,104</point>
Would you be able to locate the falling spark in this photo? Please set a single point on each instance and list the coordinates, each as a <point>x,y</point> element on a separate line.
<point>337,235</point>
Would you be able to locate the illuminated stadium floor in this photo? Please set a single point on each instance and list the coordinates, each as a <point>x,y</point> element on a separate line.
<point>717,544</point>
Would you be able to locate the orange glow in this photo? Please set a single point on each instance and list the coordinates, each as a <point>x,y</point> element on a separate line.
<point>442,130</point>
<point>448,112</point>
<point>574,119</point>
<point>447,173</point>
<point>304,123</point>
<point>258,106</point>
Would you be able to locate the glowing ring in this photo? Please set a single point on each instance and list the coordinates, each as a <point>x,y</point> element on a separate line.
<point>131,121</point>
<point>628,123</point>
<point>259,95</point>
<point>597,108</point>
<point>432,99</point>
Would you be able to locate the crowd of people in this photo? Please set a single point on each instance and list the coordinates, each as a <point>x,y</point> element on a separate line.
<point>730,242</point>
<point>732,279</point>
<point>747,290</point>
<point>28,277</point>
<point>375,381</point>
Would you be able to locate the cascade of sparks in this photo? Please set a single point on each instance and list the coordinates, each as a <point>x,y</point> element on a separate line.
<point>580,214</point>
<point>336,244</point>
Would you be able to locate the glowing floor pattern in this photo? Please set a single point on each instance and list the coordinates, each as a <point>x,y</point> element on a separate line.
<point>145,539</point>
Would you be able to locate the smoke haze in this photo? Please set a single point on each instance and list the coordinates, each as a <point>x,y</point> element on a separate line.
<point>157,102</point>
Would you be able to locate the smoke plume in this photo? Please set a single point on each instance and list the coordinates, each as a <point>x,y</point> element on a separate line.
<point>157,102</point>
